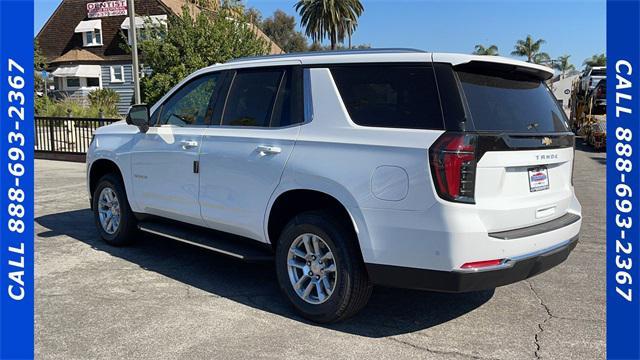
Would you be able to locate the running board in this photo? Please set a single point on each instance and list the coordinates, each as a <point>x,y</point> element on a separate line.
<point>222,243</point>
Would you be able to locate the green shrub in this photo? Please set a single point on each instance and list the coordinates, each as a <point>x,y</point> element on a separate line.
<point>42,105</point>
<point>45,106</point>
<point>104,98</point>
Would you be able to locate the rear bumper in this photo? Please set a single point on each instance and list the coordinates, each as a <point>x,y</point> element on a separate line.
<point>512,270</point>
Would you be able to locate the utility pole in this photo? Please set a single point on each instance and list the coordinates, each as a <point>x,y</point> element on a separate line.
<point>134,51</point>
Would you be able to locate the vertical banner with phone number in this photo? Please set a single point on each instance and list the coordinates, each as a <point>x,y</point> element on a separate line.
<point>623,180</point>
<point>16,179</point>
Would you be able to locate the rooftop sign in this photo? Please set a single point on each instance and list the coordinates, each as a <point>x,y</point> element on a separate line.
<point>107,8</point>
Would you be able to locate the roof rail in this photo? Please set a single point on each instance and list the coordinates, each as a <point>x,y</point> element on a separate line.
<point>329,52</point>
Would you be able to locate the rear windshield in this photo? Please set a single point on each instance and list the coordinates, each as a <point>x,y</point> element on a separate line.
<point>523,105</point>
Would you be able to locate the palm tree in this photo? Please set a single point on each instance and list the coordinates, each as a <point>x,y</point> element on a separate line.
<point>331,19</point>
<point>563,64</point>
<point>481,50</point>
<point>596,60</point>
<point>542,58</point>
<point>531,50</point>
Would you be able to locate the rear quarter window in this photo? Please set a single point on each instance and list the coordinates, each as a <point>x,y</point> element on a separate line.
<point>390,96</point>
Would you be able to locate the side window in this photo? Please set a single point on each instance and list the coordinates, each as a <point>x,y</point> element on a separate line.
<point>392,96</point>
<point>190,104</point>
<point>73,82</point>
<point>117,73</point>
<point>283,109</point>
<point>288,108</point>
<point>251,97</point>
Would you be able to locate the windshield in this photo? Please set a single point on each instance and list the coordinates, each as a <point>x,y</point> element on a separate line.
<point>598,72</point>
<point>513,104</point>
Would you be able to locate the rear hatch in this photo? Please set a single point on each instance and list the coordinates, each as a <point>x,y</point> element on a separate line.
<point>597,75</point>
<point>521,168</point>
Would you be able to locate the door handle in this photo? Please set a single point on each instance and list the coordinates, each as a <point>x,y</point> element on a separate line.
<point>267,149</point>
<point>189,144</point>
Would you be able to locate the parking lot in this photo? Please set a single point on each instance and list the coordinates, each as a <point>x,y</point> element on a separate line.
<point>164,299</point>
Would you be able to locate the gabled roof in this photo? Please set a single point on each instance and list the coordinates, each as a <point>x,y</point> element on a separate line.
<point>77,55</point>
<point>176,6</point>
<point>57,37</point>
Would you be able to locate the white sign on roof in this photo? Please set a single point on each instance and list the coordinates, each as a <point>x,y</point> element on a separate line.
<point>107,8</point>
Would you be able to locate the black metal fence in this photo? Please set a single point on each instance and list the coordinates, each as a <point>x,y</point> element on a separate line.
<point>58,137</point>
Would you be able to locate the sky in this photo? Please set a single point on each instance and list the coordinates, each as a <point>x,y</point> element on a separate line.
<point>570,27</point>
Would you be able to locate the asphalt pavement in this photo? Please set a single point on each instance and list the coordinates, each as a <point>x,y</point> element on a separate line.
<point>160,299</point>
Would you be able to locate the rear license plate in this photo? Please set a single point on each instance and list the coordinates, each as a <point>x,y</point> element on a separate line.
<point>538,179</point>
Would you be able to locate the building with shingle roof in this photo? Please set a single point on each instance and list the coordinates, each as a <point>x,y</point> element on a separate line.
<point>83,42</point>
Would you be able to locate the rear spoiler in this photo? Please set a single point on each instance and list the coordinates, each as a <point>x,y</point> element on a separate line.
<point>510,69</point>
<point>537,71</point>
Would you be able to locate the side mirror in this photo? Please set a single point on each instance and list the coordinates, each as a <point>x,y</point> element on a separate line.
<point>139,116</point>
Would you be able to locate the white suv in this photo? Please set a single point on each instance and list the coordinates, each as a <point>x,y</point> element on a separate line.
<point>590,78</point>
<point>400,168</point>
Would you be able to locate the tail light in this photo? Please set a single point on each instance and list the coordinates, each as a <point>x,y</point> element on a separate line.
<point>599,92</point>
<point>453,166</point>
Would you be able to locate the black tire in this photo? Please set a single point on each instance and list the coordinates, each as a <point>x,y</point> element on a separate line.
<point>352,286</point>
<point>126,231</point>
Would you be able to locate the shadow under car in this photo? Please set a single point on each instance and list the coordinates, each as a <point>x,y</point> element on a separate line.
<point>389,312</point>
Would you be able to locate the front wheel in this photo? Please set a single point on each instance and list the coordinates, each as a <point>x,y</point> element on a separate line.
<point>113,216</point>
<point>320,268</point>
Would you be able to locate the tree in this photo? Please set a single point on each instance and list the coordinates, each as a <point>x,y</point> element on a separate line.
<point>39,61</point>
<point>332,19</point>
<point>190,43</point>
<point>481,50</point>
<point>281,29</point>
<point>596,60</point>
<point>563,65</point>
<point>316,46</point>
<point>39,64</point>
<point>254,15</point>
<point>542,58</point>
<point>531,50</point>
<point>209,4</point>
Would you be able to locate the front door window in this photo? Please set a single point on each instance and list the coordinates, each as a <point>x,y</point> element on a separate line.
<point>191,104</point>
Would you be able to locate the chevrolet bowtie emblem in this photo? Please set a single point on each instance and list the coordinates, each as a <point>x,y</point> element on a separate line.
<point>546,141</point>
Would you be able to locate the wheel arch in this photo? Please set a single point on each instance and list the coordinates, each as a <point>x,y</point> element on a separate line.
<point>99,168</point>
<point>291,201</point>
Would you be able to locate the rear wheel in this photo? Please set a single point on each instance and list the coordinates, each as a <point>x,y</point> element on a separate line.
<point>320,268</point>
<point>113,216</point>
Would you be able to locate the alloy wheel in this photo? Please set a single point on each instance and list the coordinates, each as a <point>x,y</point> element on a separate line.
<point>312,268</point>
<point>109,210</point>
